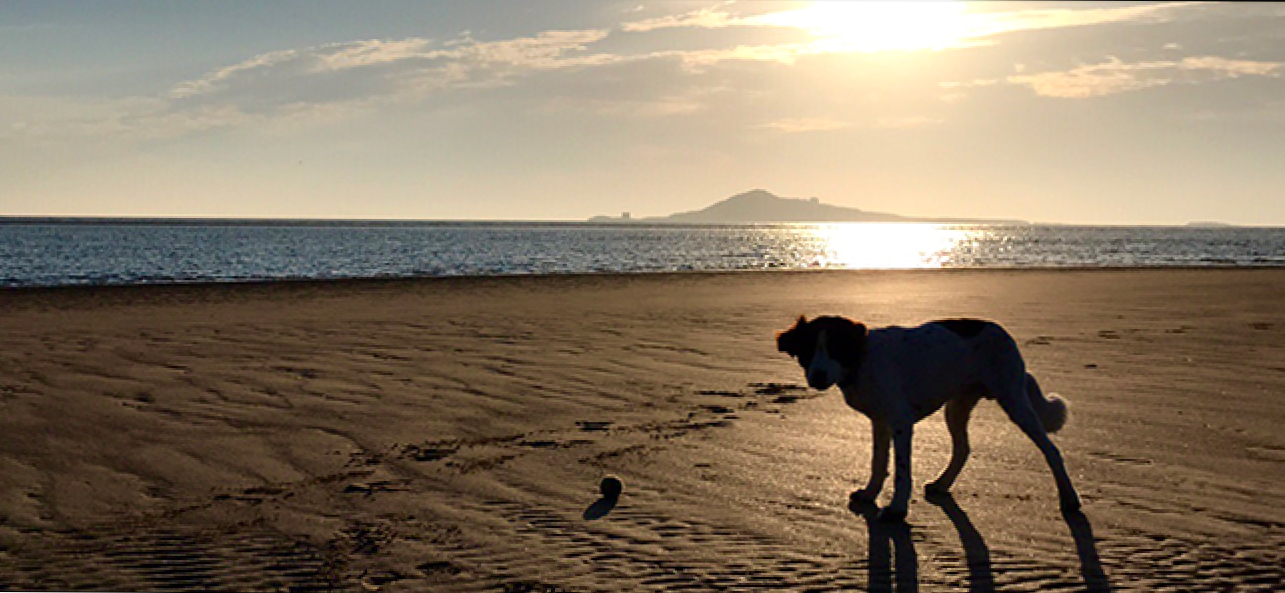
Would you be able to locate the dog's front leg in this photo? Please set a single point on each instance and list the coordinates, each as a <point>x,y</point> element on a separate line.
<point>878,461</point>
<point>897,509</point>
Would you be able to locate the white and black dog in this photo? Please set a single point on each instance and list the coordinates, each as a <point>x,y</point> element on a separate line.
<point>897,376</point>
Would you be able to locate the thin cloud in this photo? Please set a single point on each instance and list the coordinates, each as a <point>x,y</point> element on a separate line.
<point>841,28</point>
<point>289,89</point>
<point>801,125</point>
<point>700,60</point>
<point>1115,76</point>
<point>327,83</point>
<point>705,18</point>
<point>807,125</point>
<point>359,70</point>
<point>910,121</point>
<point>1058,18</point>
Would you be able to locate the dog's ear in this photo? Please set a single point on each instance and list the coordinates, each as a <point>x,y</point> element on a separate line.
<point>846,342</point>
<point>788,341</point>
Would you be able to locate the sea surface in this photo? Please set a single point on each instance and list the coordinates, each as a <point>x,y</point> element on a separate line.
<point>59,253</point>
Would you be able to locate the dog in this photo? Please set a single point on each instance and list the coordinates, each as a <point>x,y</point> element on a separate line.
<point>898,376</point>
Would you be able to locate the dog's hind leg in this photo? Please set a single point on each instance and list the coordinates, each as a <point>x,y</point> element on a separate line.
<point>957,413</point>
<point>1019,409</point>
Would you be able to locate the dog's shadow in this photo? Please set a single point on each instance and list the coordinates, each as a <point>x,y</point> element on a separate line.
<point>894,563</point>
<point>600,508</point>
<point>976,554</point>
<point>1095,579</point>
<point>892,557</point>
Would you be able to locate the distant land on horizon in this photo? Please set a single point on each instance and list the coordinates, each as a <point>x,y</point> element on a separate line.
<point>763,206</point>
<point>754,206</point>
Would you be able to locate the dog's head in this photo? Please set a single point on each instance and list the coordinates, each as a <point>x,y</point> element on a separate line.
<point>827,348</point>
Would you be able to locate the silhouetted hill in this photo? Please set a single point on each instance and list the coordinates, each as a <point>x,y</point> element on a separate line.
<point>764,206</point>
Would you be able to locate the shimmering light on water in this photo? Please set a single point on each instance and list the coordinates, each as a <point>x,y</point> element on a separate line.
<point>892,245</point>
<point>120,252</point>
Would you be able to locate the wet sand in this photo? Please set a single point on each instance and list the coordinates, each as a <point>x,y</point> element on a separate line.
<point>450,434</point>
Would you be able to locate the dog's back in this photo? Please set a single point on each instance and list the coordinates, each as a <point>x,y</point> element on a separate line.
<point>935,361</point>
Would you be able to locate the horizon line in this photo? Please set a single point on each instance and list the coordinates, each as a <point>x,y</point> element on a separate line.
<point>284,221</point>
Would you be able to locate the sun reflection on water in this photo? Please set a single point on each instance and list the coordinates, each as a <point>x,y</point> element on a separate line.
<point>891,245</point>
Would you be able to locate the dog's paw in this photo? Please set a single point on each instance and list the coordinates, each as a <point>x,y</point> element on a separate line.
<point>892,515</point>
<point>862,507</point>
<point>863,496</point>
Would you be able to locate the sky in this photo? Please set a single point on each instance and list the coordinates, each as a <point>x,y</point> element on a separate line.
<point>1059,112</point>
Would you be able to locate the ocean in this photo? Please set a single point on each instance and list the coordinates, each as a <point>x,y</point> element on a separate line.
<point>116,252</point>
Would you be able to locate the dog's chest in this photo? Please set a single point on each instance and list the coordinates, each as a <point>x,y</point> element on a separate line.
<point>860,400</point>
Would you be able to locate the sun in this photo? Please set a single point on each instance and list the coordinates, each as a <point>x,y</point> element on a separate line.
<point>879,26</point>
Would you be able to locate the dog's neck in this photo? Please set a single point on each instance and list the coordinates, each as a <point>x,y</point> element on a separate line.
<point>850,375</point>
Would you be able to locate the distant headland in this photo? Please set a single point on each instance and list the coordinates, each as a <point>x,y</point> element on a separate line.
<point>763,206</point>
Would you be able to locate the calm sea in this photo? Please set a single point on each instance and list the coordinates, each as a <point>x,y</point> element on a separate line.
<point>91,253</point>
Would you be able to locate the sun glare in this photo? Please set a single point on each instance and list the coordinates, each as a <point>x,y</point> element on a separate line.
<point>890,245</point>
<point>878,26</point>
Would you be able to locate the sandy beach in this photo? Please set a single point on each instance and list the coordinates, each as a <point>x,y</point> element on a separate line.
<point>450,435</point>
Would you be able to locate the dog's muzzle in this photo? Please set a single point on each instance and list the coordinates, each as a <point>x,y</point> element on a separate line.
<point>819,380</point>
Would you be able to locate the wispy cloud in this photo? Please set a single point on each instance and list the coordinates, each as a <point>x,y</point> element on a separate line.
<point>326,83</point>
<point>798,125</point>
<point>360,70</point>
<point>1115,76</point>
<point>700,60</point>
<point>1057,18</point>
<point>705,18</point>
<point>314,61</point>
<point>909,121</point>
<point>301,87</point>
<point>879,26</point>
<point>823,124</point>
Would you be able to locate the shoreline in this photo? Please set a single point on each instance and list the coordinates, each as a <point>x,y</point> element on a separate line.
<point>395,280</point>
<point>450,433</point>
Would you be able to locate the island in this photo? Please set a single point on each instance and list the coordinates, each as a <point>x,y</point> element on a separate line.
<point>762,206</point>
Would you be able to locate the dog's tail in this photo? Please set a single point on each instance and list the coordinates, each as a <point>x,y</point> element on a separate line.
<point>1052,410</point>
